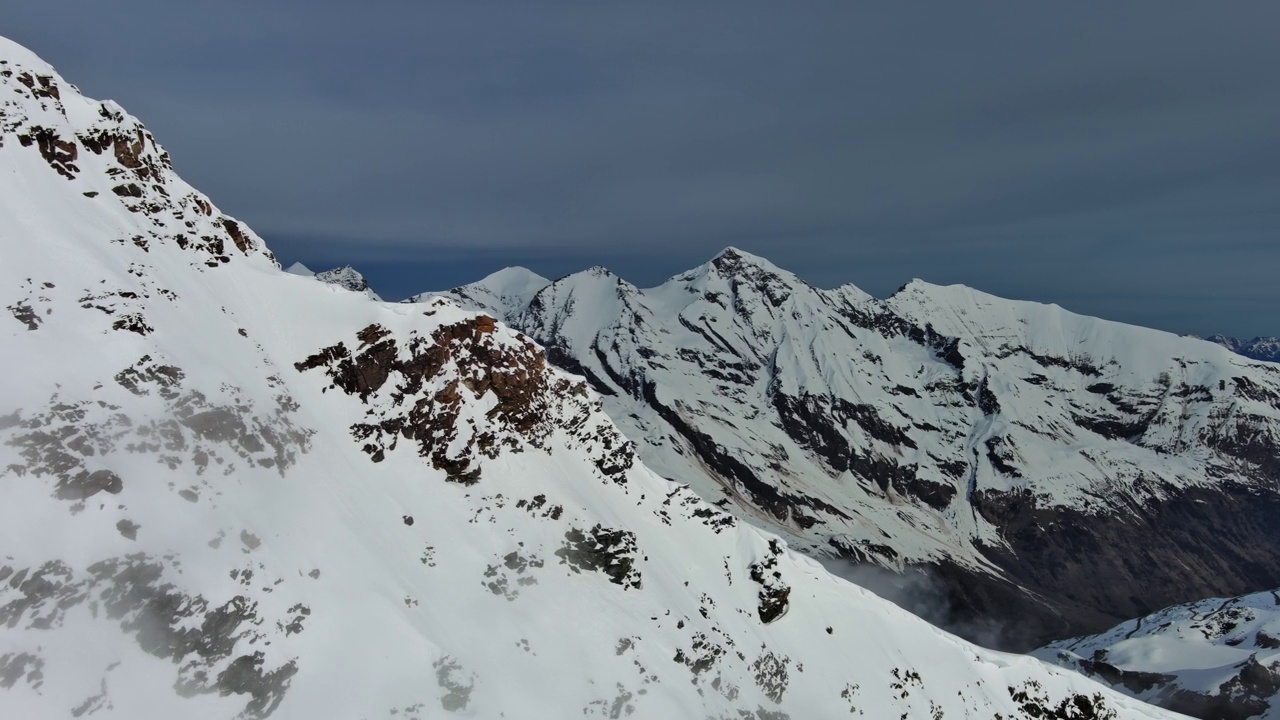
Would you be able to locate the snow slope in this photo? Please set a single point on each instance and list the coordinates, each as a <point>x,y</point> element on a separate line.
<point>505,293</point>
<point>1216,659</point>
<point>1012,449</point>
<point>234,492</point>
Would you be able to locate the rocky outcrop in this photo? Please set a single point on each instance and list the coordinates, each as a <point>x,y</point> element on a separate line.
<point>345,277</point>
<point>435,378</point>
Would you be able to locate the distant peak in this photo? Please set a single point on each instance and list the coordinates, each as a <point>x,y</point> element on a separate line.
<point>514,274</point>
<point>733,254</point>
<point>508,290</point>
<point>732,261</point>
<point>300,269</point>
<point>730,252</point>
<point>593,272</point>
<point>912,284</point>
<point>593,279</point>
<point>342,271</point>
<point>346,277</point>
<point>916,286</point>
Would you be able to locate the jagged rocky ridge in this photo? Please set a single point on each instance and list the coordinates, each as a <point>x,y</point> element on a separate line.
<point>1217,659</point>
<point>1053,473</point>
<point>1259,348</point>
<point>232,492</point>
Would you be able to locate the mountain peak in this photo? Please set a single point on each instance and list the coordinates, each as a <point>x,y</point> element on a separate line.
<point>112,168</point>
<point>733,252</point>
<point>913,283</point>
<point>344,276</point>
<point>15,54</point>
<point>504,293</point>
<point>513,275</point>
<point>732,261</point>
<point>916,286</point>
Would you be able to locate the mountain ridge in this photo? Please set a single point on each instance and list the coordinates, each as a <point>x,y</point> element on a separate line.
<point>938,428</point>
<point>1259,348</point>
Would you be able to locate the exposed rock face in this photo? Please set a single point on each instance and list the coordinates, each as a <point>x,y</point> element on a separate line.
<point>774,594</point>
<point>1194,541</point>
<point>1016,451</point>
<point>458,363</point>
<point>345,277</point>
<point>599,549</point>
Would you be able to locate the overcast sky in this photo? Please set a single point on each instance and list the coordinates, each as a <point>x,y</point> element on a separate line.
<point>1120,159</point>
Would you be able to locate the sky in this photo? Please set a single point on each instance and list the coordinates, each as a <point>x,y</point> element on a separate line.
<point>1119,159</point>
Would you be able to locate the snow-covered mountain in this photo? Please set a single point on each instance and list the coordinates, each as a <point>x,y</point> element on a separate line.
<point>1259,348</point>
<point>1053,473</point>
<point>345,277</point>
<point>1217,659</point>
<point>505,293</point>
<point>234,492</point>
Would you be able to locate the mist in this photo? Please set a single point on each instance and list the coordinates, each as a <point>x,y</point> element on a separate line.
<point>920,593</point>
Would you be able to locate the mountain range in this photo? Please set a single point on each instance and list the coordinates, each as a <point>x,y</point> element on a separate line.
<point>235,492</point>
<point>1046,474</point>
<point>1259,348</point>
